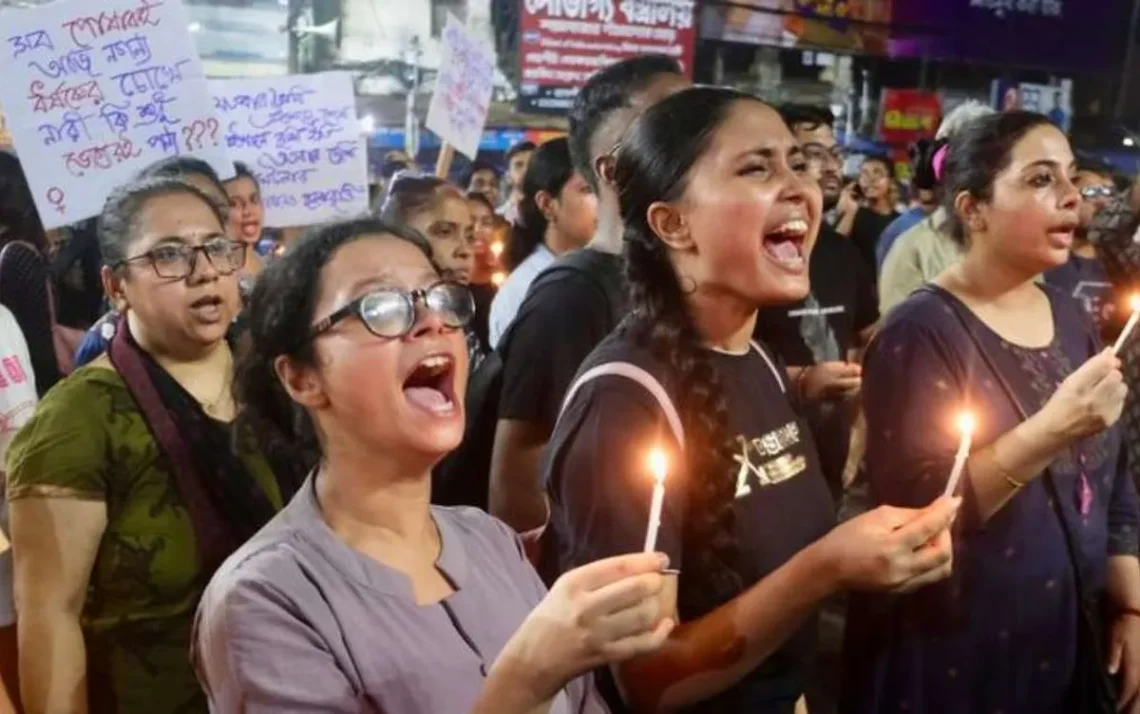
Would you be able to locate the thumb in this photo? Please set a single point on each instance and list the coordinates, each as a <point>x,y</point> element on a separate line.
<point>932,521</point>
<point>1093,370</point>
<point>600,573</point>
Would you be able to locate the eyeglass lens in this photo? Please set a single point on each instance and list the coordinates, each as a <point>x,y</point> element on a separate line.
<point>392,313</point>
<point>178,261</point>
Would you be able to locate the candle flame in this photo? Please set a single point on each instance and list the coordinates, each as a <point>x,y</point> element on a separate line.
<point>498,278</point>
<point>1134,303</point>
<point>658,464</point>
<point>966,423</point>
<point>497,248</point>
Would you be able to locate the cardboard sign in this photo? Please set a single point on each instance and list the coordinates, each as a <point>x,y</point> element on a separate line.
<point>463,87</point>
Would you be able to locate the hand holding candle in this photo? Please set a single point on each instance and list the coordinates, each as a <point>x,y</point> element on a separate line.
<point>659,466</point>
<point>1134,304</point>
<point>966,425</point>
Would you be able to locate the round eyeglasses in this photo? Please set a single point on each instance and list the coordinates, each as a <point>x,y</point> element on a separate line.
<point>391,312</point>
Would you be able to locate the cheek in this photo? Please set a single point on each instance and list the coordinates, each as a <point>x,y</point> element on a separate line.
<point>730,229</point>
<point>360,378</point>
<point>1020,226</point>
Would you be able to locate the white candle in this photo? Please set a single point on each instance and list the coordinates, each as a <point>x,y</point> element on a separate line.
<point>966,426</point>
<point>659,465</point>
<point>1134,303</point>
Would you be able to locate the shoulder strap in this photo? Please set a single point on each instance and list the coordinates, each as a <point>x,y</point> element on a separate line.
<point>1047,474</point>
<point>772,366</point>
<point>642,377</point>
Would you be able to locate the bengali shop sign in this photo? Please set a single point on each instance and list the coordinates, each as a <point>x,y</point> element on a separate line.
<point>908,115</point>
<point>563,42</point>
<point>95,94</point>
<point>300,137</point>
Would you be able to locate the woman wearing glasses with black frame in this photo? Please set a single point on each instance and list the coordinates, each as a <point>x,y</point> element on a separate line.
<point>361,596</point>
<point>128,487</point>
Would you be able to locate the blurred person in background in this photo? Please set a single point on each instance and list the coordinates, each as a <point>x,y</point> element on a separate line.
<point>557,214</point>
<point>920,254</point>
<point>1083,276</point>
<point>484,263</point>
<point>482,177</point>
<point>247,219</point>
<point>867,207</point>
<point>129,486</point>
<point>518,158</point>
<point>362,597</point>
<point>924,198</point>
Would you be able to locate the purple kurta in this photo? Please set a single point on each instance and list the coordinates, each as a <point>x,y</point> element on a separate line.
<point>298,621</point>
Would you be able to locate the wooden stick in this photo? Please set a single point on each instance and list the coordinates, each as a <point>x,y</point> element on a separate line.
<point>443,163</point>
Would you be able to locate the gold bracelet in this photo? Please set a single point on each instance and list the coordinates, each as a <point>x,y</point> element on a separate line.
<point>1017,485</point>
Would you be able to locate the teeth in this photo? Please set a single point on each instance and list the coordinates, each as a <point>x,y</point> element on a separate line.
<point>796,226</point>
<point>436,363</point>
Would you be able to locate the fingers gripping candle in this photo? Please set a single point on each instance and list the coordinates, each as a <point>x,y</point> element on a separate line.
<point>1133,303</point>
<point>659,466</point>
<point>966,425</point>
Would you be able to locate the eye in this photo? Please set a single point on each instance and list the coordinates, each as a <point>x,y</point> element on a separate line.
<point>167,253</point>
<point>755,169</point>
<point>798,165</point>
<point>1041,179</point>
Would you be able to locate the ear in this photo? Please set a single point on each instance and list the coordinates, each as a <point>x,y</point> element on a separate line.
<point>113,289</point>
<point>604,168</point>
<point>300,383</point>
<point>670,226</point>
<point>969,209</point>
<point>545,203</point>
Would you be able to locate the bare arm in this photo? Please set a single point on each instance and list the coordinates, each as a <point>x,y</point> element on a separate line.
<point>54,542</point>
<point>1123,584</point>
<point>516,495</point>
<point>846,222</point>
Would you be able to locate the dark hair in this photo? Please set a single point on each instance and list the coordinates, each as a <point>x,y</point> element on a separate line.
<point>807,116</point>
<point>549,170</point>
<point>520,148</point>
<point>921,155</point>
<point>241,170</point>
<point>122,208</point>
<point>475,167</point>
<point>879,159</point>
<point>653,165</point>
<point>479,198</point>
<point>281,314</point>
<point>18,215</point>
<point>978,152</point>
<point>410,194</point>
<point>1093,165</point>
<point>181,166</point>
<point>390,168</point>
<point>604,93</point>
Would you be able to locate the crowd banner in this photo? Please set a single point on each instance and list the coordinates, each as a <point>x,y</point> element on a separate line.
<point>300,137</point>
<point>462,95</point>
<point>563,42</point>
<point>94,94</point>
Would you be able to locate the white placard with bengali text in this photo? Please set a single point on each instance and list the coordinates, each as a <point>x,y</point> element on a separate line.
<point>96,91</point>
<point>300,136</point>
<point>463,87</point>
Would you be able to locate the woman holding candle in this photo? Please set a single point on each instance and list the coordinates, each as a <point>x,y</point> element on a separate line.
<point>719,220</point>
<point>1004,633</point>
<point>363,598</point>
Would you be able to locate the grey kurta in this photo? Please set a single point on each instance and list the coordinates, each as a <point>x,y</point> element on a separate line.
<point>298,621</point>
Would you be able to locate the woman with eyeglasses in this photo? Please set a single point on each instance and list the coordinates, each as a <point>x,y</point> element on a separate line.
<point>361,596</point>
<point>128,487</point>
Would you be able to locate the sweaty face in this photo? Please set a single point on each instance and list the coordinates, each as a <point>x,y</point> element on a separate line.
<point>1031,221</point>
<point>516,169</point>
<point>176,315</point>
<point>448,228</point>
<point>486,183</point>
<point>245,209</point>
<point>752,210</point>
<point>575,211</point>
<point>824,160</point>
<point>405,394</point>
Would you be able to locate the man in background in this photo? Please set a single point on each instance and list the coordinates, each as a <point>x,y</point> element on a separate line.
<point>518,158</point>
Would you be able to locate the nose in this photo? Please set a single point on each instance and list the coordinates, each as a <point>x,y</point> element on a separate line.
<point>428,322</point>
<point>795,189</point>
<point>202,270</point>
<point>1070,195</point>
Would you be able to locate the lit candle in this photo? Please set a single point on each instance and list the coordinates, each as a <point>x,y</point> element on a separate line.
<point>498,278</point>
<point>966,426</point>
<point>497,248</point>
<point>659,465</point>
<point>1133,303</point>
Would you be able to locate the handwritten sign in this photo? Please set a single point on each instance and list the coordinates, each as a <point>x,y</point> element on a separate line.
<point>5,134</point>
<point>300,137</point>
<point>94,95</point>
<point>463,86</point>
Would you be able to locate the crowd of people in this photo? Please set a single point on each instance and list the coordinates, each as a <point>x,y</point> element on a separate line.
<point>578,444</point>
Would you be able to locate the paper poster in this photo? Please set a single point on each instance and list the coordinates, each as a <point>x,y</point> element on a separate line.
<point>94,92</point>
<point>300,137</point>
<point>463,87</point>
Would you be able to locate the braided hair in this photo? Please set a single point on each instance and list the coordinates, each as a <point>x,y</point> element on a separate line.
<point>653,165</point>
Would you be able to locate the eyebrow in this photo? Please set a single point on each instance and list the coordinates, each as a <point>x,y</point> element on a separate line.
<point>389,281</point>
<point>1049,163</point>
<point>182,240</point>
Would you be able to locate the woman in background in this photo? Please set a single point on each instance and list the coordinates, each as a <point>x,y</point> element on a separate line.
<point>247,215</point>
<point>361,597</point>
<point>557,214</point>
<point>867,207</point>
<point>129,487</point>
<point>485,263</point>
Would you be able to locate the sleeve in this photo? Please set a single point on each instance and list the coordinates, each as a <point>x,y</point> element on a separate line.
<point>1123,510</point>
<point>901,274</point>
<point>1112,232</point>
<point>550,340</point>
<point>600,486</point>
<point>255,654</point>
<point>907,378</point>
<point>64,450</point>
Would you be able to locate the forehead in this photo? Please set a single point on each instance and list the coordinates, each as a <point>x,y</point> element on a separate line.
<point>748,126</point>
<point>381,257</point>
<point>1042,143</point>
<point>875,165</point>
<point>483,175</point>
<point>239,185</point>
<point>1085,179</point>
<point>821,134</point>
<point>522,156</point>
<point>174,215</point>
<point>205,185</point>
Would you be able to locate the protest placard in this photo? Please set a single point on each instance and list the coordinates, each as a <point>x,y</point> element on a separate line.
<point>93,96</point>
<point>300,137</point>
<point>463,87</point>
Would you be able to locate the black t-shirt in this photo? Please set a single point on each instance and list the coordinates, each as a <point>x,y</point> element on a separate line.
<point>595,473</point>
<point>824,327</point>
<point>558,325</point>
<point>865,232</point>
<point>482,295</point>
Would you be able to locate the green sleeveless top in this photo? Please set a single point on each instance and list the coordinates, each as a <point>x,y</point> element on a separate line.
<point>88,441</point>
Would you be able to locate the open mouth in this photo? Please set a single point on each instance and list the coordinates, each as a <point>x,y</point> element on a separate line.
<point>785,244</point>
<point>208,308</point>
<point>431,385</point>
<point>1062,236</point>
<point>249,229</point>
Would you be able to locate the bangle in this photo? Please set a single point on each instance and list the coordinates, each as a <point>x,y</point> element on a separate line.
<point>1017,485</point>
<point>800,379</point>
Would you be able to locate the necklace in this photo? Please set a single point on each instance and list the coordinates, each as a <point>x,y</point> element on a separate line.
<point>212,406</point>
